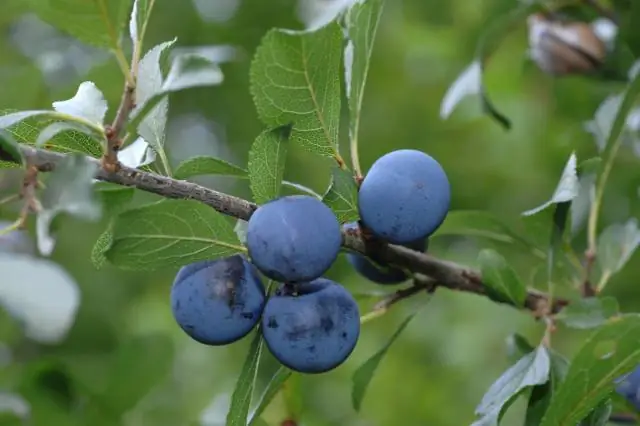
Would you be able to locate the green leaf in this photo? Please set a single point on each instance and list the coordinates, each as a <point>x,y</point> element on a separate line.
<point>531,370</point>
<point>241,398</point>
<point>295,80</point>
<point>10,150</point>
<point>188,70</point>
<point>610,352</point>
<point>101,246</point>
<point>28,130</point>
<point>560,215</point>
<point>566,190</point>
<point>361,24</point>
<point>114,198</point>
<point>364,374</point>
<point>518,345</point>
<point>342,195</point>
<point>589,312</point>
<point>267,159</point>
<point>96,22</point>
<point>502,282</point>
<point>482,224</point>
<point>140,16</point>
<point>134,373</point>
<point>541,395</point>
<point>275,385</point>
<point>204,165</point>
<point>616,245</point>
<point>150,81</point>
<point>600,415</point>
<point>171,233</point>
<point>470,81</point>
<point>69,190</point>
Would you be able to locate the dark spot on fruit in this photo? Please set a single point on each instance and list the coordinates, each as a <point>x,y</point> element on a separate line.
<point>273,323</point>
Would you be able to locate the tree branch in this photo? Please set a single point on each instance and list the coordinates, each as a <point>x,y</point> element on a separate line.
<point>444,274</point>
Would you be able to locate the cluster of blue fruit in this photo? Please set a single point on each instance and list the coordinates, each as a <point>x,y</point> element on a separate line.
<point>310,324</point>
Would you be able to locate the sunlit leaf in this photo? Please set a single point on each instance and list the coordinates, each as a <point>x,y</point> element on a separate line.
<point>140,15</point>
<point>267,162</point>
<point>611,351</point>
<point>364,374</point>
<point>40,294</point>
<point>137,154</point>
<point>589,312</point>
<point>69,190</point>
<point>15,404</point>
<point>531,370</point>
<point>171,233</point>
<point>97,22</point>
<point>566,190</point>
<point>241,398</point>
<point>501,281</point>
<point>342,195</point>
<point>295,80</point>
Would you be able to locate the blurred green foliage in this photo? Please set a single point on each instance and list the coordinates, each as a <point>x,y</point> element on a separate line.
<point>126,361</point>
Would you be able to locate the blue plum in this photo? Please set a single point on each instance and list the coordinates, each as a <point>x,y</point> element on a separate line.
<point>311,327</point>
<point>379,273</point>
<point>294,238</point>
<point>629,387</point>
<point>404,197</point>
<point>217,302</point>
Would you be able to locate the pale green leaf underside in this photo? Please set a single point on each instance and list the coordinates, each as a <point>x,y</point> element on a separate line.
<point>171,233</point>
<point>295,80</point>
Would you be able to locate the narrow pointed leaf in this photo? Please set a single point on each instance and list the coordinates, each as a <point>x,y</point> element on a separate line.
<point>364,374</point>
<point>241,398</point>
<point>273,388</point>
<point>566,190</point>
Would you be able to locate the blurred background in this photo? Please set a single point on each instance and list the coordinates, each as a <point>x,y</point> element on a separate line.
<point>125,361</point>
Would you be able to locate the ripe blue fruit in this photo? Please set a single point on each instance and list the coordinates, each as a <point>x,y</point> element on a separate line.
<point>404,197</point>
<point>629,387</point>
<point>311,327</point>
<point>294,238</point>
<point>217,302</point>
<point>379,273</point>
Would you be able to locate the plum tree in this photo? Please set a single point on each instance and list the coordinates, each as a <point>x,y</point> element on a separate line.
<point>404,197</point>
<point>294,238</point>
<point>217,302</point>
<point>378,273</point>
<point>311,327</point>
<point>629,387</point>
